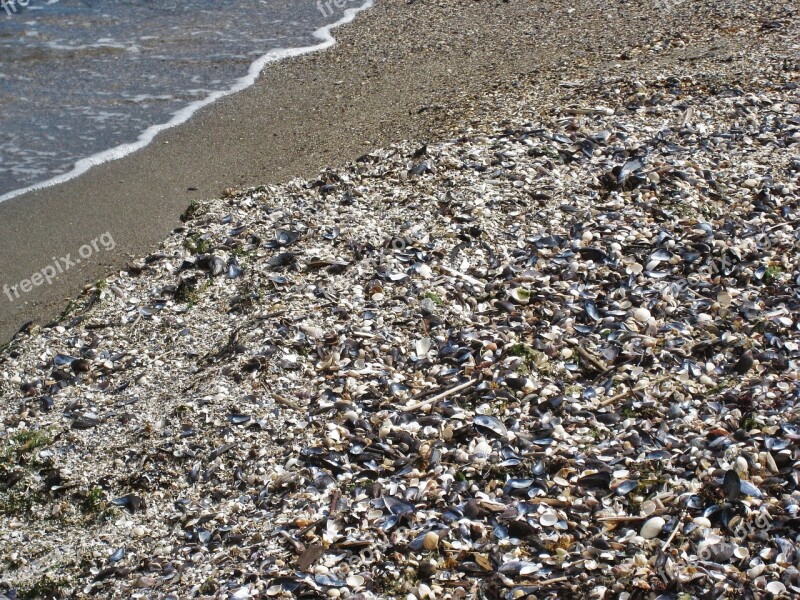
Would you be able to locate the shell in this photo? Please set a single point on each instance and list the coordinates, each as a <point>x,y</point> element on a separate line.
<point>548,519</point>
<point>431,541</point>
<point>653,527</point>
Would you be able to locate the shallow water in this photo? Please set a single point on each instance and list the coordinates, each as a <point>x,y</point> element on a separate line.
<point>79,77</point>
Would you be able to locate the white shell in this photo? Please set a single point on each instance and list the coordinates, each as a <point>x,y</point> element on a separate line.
<point>642,315</point>
<point>702,522</point>
<point>776,587</point>
<point>652,528</point>
<point>548,519</point>
<point>647,508</point>
<point>423,346</point>
<point>355,581</point>
<point>755,571</point>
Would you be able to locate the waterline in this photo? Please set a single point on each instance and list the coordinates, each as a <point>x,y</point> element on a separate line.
<point>82,166</point>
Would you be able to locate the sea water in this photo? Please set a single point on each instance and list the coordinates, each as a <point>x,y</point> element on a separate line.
<point>86,81</point>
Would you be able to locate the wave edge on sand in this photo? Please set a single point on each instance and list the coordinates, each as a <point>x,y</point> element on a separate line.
<point>185,114</point>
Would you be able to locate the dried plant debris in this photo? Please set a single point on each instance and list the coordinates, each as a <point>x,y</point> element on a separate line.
<point>549,357</point>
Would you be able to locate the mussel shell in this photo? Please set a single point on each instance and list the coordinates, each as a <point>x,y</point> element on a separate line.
<point>117,556</point>
<point>234,270</point>
<point>731,485</point>
<point>62,360</point>
<point>131,501</point>
<point>661,255</point>
<point>591,310</point>
<point>599,480</point>
<point>748,489</point>
<point>397,506</point>
<point>237,419</point>
<point>626,487</point>
<point>490,425</point>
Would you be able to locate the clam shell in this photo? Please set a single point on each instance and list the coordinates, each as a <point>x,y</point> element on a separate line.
<point>548,519</point>
<point>776,588</point>
<point>652,528</point>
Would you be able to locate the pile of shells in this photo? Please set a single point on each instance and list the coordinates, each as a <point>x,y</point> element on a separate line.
<point>555,356</point>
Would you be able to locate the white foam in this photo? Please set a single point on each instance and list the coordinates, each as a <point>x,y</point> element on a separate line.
<point>327,40</point>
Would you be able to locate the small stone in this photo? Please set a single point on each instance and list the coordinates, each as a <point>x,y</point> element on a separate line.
<point>145,582</point>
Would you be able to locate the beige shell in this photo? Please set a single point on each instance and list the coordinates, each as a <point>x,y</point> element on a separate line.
<point>652,528</point>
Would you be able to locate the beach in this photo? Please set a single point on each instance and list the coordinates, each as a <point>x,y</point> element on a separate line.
<point>321,109</point>
<point>487,300</point>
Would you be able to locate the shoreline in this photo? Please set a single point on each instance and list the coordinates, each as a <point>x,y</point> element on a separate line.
<point>304,113</point>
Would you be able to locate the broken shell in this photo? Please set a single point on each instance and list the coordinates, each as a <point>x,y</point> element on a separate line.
<point>520,295</point>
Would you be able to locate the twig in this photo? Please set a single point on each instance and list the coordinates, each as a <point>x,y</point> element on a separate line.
<point>600,110</point>
<point>622,519</point>
<point>588,357</point>
<point>436,398</point>
<point>631,391</point>
<point>334,505</point>
<point>364,334</point>
<point>299,548</point>
<point>92,326</point>
<point>672,535</point>
<point>272,315</point>
<point>553,580</point>
<point>464,276</point>
<point>286,402</point>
